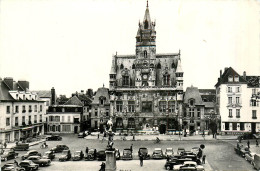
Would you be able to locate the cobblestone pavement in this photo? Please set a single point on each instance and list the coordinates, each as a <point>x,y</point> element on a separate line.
<point>220,153</point>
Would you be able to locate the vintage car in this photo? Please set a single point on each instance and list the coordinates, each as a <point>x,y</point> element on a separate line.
<point>10,154</point>
<point>78,155</point>
<point>92,154</point>
<point>170,163</point>
<point>189,165</point>
<point>157,153</point>
<point>256,161</point>
<point>240,150</point>
<point>195,150</point>
<point>11,167</point>
<point>127,154</point>
<point>49,155</point>
<point>189,154</point>
<point>180,150</point>
<point>31,153</point>
<point>65,155</point>
<point>54,138</point>
<point>38,160</point>
<point>117,153</point>
<point>81,135</point>
<point>59,148</point>
<point>28,165</point>
<point>169,152</point>
<point>144,152</point>
<point>249,157</point>
<point>21,147</point>
<point>101,155</point>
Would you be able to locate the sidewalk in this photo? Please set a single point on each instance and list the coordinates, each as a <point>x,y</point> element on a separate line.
<point>167,137</point>
<point>11,145</point>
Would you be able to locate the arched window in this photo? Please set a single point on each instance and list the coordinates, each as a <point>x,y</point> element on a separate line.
<point>145,53</point>
<point>146,24</point>
<point>158,66</point>
<point>119,123</point>
<point>173,65</point>
<point>121,66</point>
<point>133,66</point>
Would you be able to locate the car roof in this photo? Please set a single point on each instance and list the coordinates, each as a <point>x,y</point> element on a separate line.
<point>32,151</point>
<point>78,151</point>
<point>35,156</point>
<point>169,148</point>
<point>157,149</point>
<point>180,148</point>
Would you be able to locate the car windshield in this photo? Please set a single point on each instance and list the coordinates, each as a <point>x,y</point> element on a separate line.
<point>101,152</point>
<point>143,150</point>
<point>157,151</point>
<point>6,153</point>
<point>64,152</point>
<point>127,152</point>
<point>168,150</point>
<point>77,153</point>
<point>91,151</point>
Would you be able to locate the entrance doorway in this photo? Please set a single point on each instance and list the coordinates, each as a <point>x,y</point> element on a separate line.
<point>75,129</point>
<point>162,129</point>
<point>253,128</point>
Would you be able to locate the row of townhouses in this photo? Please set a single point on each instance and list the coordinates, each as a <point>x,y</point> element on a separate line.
<point>145,94</point>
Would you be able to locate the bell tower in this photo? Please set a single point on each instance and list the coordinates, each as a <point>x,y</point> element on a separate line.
<point>145,51</point>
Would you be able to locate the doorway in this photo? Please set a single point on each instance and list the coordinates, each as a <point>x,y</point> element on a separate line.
<point>75,129</point>
<point>253,128</point>
<point>162,129</point>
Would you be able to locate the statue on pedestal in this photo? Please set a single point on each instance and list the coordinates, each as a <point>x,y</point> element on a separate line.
<point>110,135</point>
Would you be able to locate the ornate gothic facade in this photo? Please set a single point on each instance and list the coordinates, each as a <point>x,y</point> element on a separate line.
<point>146,89</point>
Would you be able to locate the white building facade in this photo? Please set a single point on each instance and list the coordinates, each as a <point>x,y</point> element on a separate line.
<point>21,111</point>
<point>238,102</point>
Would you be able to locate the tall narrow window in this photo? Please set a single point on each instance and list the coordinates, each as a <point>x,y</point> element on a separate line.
<point>131,106</point>
<point>230,113</point>
<point>254,114</point>
<point>171,106</point>
<point>229,89</point>
<point>119,106</point>
<point>125,80</point>
<point>238,113</point>
<point>237,100</point>
<point>162,106</point>
<point>16,109</point>
<point>191,111</point>
<point>198,112</point>
<point>229,100</point>
<point>166,79</point>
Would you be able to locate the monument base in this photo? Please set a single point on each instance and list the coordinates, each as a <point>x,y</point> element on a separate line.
<point>110,160</point>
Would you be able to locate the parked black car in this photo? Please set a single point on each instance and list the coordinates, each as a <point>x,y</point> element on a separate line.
<point>38,160</point>
<point>144,152</point>
<point>10,167</point>
<point>65,156</point>
<point>127,154</point>
<point>81,135</point>
<point>59,148</point>
<point>92,154</point>
<point>54,138</point>
<point>169,164</point>
<point>29,165</point>
<point>7,155</point>
<point>31,153</point>
<point>49,155</point>
<point>101,155</point>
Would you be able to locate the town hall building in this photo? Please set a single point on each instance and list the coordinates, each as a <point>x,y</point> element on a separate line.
<point>146,88</point>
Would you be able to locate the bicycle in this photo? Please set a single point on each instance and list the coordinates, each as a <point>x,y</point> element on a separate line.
<point>44,146</point>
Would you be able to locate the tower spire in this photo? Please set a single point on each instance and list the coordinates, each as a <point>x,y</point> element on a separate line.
<point>147,4</point>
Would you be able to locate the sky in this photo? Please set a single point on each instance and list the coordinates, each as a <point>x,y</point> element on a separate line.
<point>69,44</point>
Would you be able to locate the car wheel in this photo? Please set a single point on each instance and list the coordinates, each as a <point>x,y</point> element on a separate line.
<point>168,168</point>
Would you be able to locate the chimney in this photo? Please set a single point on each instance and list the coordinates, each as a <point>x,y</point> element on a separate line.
<point>53,96</point>
<point>9,82</point>
<point>24,84</point>
<point>226,68</point>
<point>220,73</point>
<point>90,92</point>
<point>244,75</point>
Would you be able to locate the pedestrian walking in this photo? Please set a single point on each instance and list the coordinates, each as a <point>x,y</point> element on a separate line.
<point>98,136</point>
<point>131,148</point>
<point>141,158</point>
<point>15,163</point>
<point>248,144</point>
<point>256,143</point>
<point>5,145</point>
<point>86,150</point>
<point>203,159</point>
<point>133,137</point>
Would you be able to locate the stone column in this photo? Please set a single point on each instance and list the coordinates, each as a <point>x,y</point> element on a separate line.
<point>110,160</point>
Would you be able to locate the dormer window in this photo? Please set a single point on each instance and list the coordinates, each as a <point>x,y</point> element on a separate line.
<point>191,102</point>
<point>236,78</point>
<point>230,78</point>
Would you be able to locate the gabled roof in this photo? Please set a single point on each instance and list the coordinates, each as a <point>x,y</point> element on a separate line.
<point>43,93</point>
<point>84,97</point>
<point>229,72</point>
<point>74,101</point>
<point>4,92</point>
<point>253,81</point>
<point>101,92</point>
<point>193,93</point>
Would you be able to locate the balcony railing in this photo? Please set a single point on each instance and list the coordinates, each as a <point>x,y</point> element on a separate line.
<point>24,111</point>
